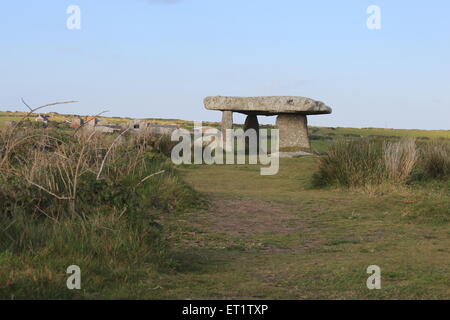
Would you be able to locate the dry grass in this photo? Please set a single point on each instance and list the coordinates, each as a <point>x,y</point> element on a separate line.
<point>353,164</point>
<point>435,160</point>
<point>82,197</point>
<point>400,159</point>
<point>372,162</point>
<point>57,173</point>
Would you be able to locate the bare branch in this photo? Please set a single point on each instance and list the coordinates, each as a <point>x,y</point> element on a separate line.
<point>92,119</point>
<point>123,212</point>
<point>23,101</point>
<point>8,147</point>
<point>44,213</point>
<point>109,150</point>
<point>44,106</point>
<point>44,189</point>
<point>148,177</point>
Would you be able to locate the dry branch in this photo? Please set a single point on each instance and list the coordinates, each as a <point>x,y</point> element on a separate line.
<point>148,177</point>
<point>109,150</point>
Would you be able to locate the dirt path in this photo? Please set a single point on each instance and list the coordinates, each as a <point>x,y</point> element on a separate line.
<point>244,217</point>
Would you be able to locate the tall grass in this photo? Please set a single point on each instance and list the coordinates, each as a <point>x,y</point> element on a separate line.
<point>400,158</point>
<point>369,162</point>
<point>82,198</point>
<point>58,174</point>
<point>435,160</point>
<point>365,162</point>
<point>352,163</point>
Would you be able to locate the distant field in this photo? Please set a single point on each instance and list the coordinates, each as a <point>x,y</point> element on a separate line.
<point>383,132</point>
<point>317,133</point>
<point>322,137</point>
<point>7,116</point>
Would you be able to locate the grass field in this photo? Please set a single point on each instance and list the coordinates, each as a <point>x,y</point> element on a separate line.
<point>274,238</point>
<point>9,116</point>
<point>266,237</point>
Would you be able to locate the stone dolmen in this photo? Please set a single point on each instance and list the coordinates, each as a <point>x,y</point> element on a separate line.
<point>292,115</point>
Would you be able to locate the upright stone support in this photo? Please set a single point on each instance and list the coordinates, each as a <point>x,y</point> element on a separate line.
<point>251,122</point>
<point>227,121</point>
<point>293,132</point>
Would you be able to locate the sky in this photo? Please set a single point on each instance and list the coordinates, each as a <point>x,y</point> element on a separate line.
<point>160,58</point>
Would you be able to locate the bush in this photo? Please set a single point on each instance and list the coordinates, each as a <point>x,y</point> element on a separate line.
<point>82,198</point>
<point>352,163</point>
<point>59,174</point>
<point>435,160</point>
<point>400,159</point>
<point>364,162</point>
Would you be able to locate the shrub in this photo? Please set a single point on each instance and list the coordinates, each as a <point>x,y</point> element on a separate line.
<point>45,170</point>
<point>82,197</point>
<point>364,162</point>
<point>400,159</point>
<point>352,163</point>
<point>435,160</point>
